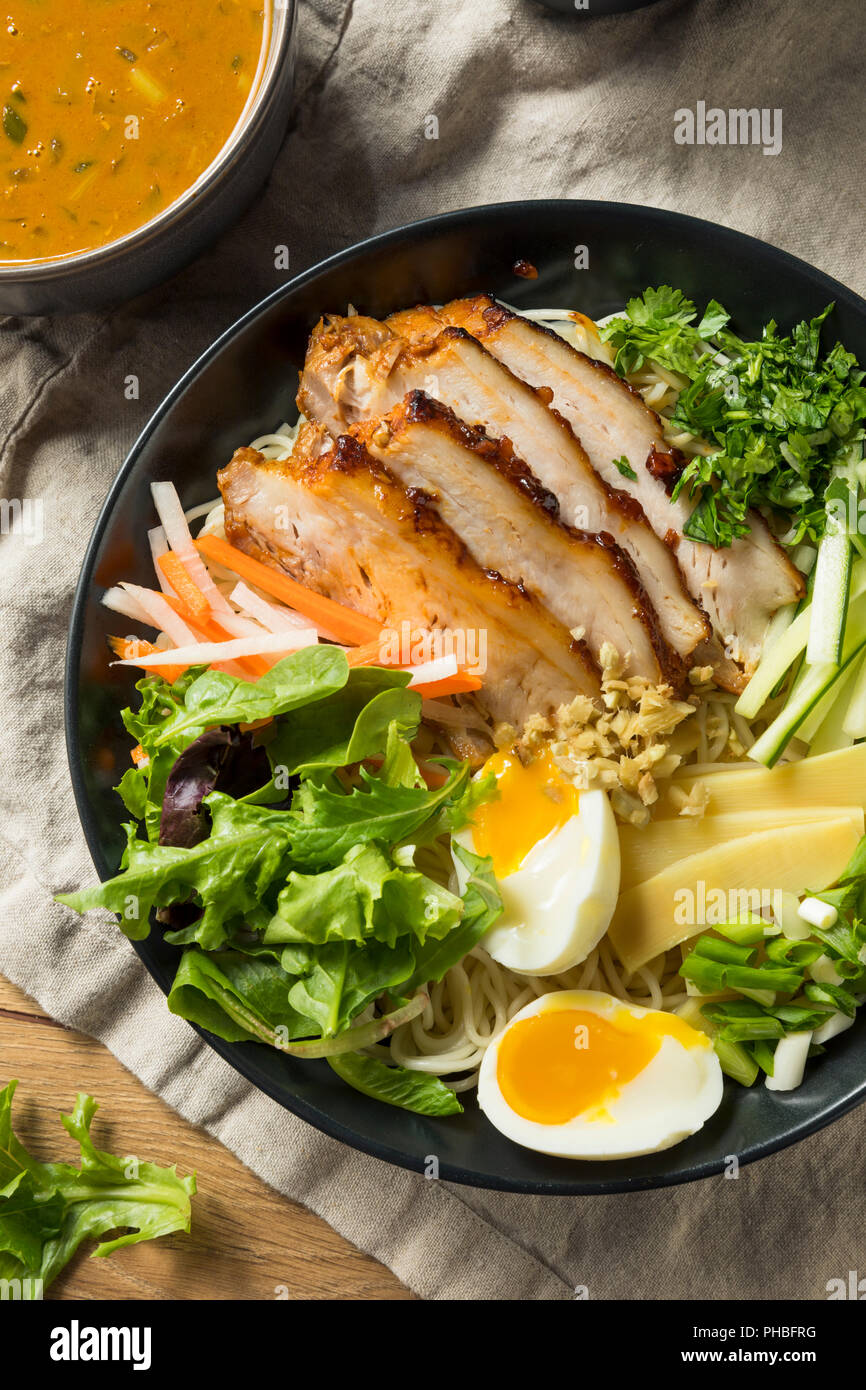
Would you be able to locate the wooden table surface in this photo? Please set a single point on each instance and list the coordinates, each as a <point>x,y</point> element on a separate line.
<point>247,1241</point>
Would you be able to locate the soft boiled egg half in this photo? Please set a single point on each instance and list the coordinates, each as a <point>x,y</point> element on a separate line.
<point>580,1074</point>
<point>555,855</point>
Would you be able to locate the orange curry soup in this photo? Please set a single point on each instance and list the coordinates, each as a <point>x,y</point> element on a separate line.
<point>111,109</point>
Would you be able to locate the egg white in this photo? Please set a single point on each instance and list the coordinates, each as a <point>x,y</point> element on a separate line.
<point>559,902</point>
<point>672,1098</point>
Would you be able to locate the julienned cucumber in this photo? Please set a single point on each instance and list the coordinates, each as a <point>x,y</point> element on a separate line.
<point>854,723</point>
<point>816,681</point>
<point>777,659</point>
<point>783,652</point>
<point>829,599</point>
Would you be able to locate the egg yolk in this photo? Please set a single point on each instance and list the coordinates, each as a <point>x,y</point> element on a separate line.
<point>559,1063</point>
<point>532,801</point>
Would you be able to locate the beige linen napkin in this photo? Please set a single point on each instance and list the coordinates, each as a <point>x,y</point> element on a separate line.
<point>528,105</point>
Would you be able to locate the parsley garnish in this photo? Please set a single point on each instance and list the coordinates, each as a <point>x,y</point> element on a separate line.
<point>780,415</point>
<point>625,467</point>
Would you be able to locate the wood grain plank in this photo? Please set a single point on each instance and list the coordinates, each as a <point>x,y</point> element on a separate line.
<point>247,1241</point>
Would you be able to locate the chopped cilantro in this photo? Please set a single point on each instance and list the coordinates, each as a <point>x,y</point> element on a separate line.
<point>780,414</point>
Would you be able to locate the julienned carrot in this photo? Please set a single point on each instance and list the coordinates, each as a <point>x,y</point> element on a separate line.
<point>128,648</point>
<point>370,654</point>
<point>184,585</point>
<point>451,685</point>
<point>215,632</point>
<point>138,755</point>
<point>342,623</point>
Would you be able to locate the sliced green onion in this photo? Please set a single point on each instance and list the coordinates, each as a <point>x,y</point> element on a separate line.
<point>736,1061</point>
<point>748,933</point>
<point>712,976</point>
<point>762,977</point>
<point>834,995</point>
<point>728,952</point>
<point>752,1029</point>
<point>732,1008</point>
<point>798,1019</point>
<point>764,1055</point>
<point>794,953</point>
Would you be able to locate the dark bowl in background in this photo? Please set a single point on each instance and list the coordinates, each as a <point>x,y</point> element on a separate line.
<point>244,385</point>
<point>157,250</point>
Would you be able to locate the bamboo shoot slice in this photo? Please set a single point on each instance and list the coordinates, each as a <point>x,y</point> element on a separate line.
<point>667,909</point>
<point>648,852</point>
<point>831,779</point>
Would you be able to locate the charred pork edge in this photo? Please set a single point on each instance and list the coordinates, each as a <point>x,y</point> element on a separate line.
<point>417,407</point>
<point>348,455</point>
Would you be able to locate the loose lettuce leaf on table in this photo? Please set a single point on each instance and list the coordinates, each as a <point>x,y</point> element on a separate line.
<point>48,1209</point>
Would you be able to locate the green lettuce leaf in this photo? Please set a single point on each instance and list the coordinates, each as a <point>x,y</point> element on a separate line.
<point>365,896</point>
<point>215,698</point>
<point>410,1090</point>
<point>329,822</point>
<point>347,726</point>
<point>48,1209</point>
<point>344,978</point>
<point>482,906</point>
<point>238,997</point>
<point>230,871</point>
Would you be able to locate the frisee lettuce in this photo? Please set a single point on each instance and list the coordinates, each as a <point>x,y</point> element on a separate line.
<point>48,1209</point>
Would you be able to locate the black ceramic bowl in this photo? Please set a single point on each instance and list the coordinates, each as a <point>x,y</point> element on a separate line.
<point>152,253</point>
<point>244,385</point>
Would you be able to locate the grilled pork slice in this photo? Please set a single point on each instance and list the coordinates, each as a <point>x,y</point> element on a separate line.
<point>340,522</point>
<point>358,369</point>
<point>510,523</point>
<point>741,586</point>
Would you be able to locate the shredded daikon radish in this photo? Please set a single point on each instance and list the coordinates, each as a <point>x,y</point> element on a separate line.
<point>436,670</point>
<point>129,607</point>
<point>202,653</point>
<point>177,533</point>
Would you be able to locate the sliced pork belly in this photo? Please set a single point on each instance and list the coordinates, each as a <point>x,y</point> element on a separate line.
<point>510,523</point>
<point>740,586</point>
<point>341,523</point>
<point>358,369</point>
